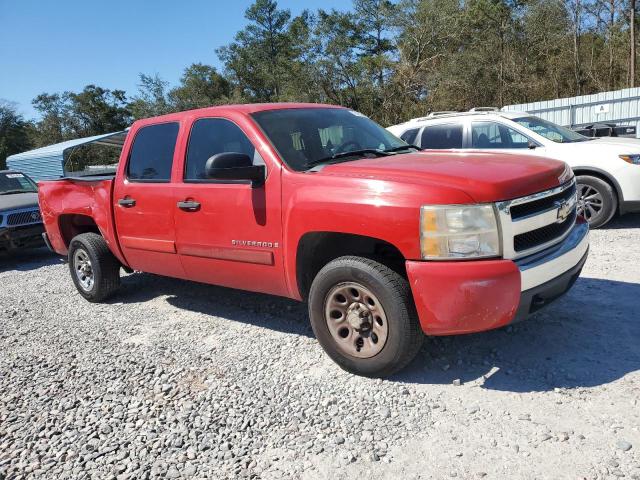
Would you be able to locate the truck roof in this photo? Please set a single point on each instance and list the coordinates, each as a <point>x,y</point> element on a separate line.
<point>246,108</point>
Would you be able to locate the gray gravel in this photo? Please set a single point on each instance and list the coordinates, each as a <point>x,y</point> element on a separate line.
<point>179,380</point>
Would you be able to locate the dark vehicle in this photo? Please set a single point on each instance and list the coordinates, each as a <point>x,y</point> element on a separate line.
<point>20,220</point>
<point>606,130</point>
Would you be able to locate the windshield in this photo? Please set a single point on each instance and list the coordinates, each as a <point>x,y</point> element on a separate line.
<point>550,130</point>
<point>305,137</point>
<point>13,182</point>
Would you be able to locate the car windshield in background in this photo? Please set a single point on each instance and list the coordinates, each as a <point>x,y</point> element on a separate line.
<point>13,182</point>
<point>305,137</point>
<point>550,130</point>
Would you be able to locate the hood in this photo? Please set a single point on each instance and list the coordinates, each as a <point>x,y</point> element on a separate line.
<point>486,177</point>
<point>600,146</point>
<point>624,141</point>
<point>620,145</point>
<point>18,200</point>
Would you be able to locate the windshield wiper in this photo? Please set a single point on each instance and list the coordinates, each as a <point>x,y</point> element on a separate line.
<point>403,147</point>
<point>11,192</point>
<point>374,151</point>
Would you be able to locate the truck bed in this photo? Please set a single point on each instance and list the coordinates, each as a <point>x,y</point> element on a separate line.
<point>85,178</point>
<point>74,205</point>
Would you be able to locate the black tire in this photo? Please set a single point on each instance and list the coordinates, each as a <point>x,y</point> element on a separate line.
<point>404,336</point>
<point>606,204</point>
<point>104,268</point>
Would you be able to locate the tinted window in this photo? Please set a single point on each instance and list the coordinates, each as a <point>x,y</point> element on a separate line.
<point>550,130</point>
<point>495,135</point>
<point>303,136</point>
<point>210,136</point>
<point>442,136</point>
<point>152,153</point>
<point>410,135</point>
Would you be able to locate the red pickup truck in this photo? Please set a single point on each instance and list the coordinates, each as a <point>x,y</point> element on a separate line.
<point>319,203</point>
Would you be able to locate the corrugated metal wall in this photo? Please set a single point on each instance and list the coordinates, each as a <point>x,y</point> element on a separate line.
<point>38,168</point>
<point>46,163</point>
<point>620,106</point>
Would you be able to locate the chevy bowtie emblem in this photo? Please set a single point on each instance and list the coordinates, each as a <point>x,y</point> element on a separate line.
<point>564,210</point>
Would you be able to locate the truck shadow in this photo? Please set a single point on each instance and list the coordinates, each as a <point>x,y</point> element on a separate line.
<point>29,259</point>
<point>275,313</point>
<point>589,337</point>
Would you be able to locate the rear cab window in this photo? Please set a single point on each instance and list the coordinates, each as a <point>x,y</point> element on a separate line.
<point>443,136</point>
<point>151,155</point>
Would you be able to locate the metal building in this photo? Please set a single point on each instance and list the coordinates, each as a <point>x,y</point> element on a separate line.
<point>49,162</point>
<point>621,107</point>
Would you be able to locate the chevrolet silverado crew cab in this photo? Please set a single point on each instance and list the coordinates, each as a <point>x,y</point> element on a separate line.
<point>607,168</point>
<point>319,203</point>
<point>20,222</point>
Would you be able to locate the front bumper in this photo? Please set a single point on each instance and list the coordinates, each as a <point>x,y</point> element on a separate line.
<point>21,237</point>
<point>473,296</point>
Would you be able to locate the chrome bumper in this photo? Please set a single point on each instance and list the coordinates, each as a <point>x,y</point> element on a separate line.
<point>544,266</point>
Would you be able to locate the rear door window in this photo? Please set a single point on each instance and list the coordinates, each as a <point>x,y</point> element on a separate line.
<point>151,154</point>
<point>496,135</point>
<point>448,135</point>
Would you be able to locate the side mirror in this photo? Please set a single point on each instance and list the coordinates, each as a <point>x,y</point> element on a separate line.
<point>235,166</point>
<point>532,145</point>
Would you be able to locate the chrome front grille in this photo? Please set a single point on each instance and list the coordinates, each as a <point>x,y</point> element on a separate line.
<point>531,224</point>
<point>535,207</point>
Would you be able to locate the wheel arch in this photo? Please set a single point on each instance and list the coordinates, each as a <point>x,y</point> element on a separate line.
<point>316,249</point>
<point>605,176</point>
<point>73,224</point>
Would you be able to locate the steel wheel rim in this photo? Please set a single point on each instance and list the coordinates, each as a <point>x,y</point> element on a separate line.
<point>356,320</point>
<point>83,269</point>
<point>590,202</point>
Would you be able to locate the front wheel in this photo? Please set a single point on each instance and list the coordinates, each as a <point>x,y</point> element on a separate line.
<point>363,316</point>
<point>597,201</point>
<point>94,269</point>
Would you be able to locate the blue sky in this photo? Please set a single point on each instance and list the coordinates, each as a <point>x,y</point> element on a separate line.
<point>53,46</point>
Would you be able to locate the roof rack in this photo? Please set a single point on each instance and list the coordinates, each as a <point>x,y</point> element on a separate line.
<point>438,114</point>
<point>432,115</point>
<point>485,109</point>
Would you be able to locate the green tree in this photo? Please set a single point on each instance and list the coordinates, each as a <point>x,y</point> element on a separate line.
<point>54,113</point>
<point>93,111</point>
<point>14,132</point>
<point>200,86</point>
<point>152,98</point>
<point>96,110</point>
<point>259,57</point>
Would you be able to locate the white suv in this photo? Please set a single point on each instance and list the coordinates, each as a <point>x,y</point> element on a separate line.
<point>607,169</point>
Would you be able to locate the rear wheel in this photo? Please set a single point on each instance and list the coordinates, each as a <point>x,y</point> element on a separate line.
<point>94,269</point>
<point>597,201</point>
<point>363,316</point>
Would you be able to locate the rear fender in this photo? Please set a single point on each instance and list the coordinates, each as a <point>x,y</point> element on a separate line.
<point>89,201</point>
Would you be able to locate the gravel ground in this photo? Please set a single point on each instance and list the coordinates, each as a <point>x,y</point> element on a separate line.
<point>180,380</point>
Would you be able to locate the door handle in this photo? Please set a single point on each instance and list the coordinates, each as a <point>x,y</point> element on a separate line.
<point>127,202</point>
<point>189,206</point>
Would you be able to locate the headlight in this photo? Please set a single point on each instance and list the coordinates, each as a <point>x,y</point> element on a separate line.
<point>458,232</point>
<point>634,158</point>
